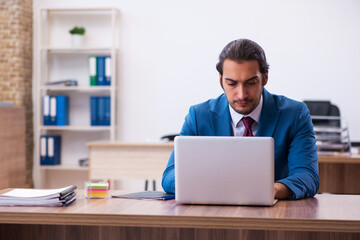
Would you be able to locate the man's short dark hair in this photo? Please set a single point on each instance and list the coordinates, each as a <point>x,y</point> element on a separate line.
<point>243,50</point>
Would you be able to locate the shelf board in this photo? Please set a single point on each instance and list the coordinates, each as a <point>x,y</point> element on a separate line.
<point>77,128</point>
<point>65,167</point>
<point>77,50</point>
<point>77,88</point>
<point>77,10</point>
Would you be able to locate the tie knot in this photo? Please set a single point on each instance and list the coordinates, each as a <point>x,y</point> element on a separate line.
<point>248,121</point>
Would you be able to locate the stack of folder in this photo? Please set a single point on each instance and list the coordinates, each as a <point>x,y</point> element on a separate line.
<point>56,110</point>
<point>39,197</point>
<point>100,113</point>
<point>50,150</point>
<point>100,70</point>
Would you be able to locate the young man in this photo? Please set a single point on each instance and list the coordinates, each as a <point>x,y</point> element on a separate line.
<point>247,109</point>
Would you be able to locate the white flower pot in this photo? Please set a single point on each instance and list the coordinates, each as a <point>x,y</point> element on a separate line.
<point>77,40</point>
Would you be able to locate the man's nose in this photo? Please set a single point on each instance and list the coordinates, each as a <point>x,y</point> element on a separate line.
<point>241,92</point>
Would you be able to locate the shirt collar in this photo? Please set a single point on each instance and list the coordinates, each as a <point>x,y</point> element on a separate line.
<point>255,114</point>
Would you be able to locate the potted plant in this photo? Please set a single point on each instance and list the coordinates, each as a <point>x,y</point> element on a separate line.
<point>77,36</point>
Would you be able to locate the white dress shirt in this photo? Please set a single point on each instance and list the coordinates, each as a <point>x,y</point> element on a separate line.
<point>237,123</point>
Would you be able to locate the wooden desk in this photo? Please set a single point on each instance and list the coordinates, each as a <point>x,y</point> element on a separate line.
<point>323,217</point>
<point>12,147</point>
<point>116,160</point>
<point>339,174</point>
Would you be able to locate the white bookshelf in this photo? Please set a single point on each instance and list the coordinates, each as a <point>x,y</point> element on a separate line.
<point>57,59</point>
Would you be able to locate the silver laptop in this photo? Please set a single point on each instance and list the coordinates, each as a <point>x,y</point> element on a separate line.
<point>224,170</point>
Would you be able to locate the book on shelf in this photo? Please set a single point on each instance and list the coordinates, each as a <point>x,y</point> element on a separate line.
<point>93,111</point>
<point>50,150</point>
<point>100,112</point>
<point>107,110</point>
<point>92,71</point>
<point>52,110</point>
<point>39,197</point>
<point>55,110</point>
<point>46,110</point>
<point>100,70</point>
<point>107,70</point>
<point>62,107</point>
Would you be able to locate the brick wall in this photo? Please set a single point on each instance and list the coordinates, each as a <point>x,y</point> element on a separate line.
<point>16,64</point>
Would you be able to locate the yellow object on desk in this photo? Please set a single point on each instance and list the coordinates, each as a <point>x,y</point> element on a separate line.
<point>96,190</point>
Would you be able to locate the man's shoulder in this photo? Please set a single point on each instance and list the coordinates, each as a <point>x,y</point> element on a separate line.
<point>212,104</point>
<point>287,104</point>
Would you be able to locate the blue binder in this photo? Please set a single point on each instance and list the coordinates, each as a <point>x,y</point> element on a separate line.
<point>53,111</point>
<point>108,70</point>
<point>46,110</point>
<point>43,150</point>
<point>107,110</point>
<point>100,69</point>
<point>93,111</point>
<point>62,106</point>
<point>53,150</point>
<point>101,111</point>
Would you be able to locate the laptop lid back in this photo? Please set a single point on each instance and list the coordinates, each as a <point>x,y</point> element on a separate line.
<point>224,170</point>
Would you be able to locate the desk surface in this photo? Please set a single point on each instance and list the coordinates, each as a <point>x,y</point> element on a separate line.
<point>335,213</point>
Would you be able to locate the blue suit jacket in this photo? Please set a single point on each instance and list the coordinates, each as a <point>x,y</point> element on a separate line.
<point>286,120</point>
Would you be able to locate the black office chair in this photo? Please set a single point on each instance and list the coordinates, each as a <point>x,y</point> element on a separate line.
<point>324,108</point>
<point>328,131</point>
<point>170,137</point>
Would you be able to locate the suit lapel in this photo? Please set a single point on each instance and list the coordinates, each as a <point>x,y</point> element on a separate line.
<point>220,118</point>
<point>269,116</point>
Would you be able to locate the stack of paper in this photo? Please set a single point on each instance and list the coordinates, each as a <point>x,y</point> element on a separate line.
<point>39,197</point>
<point>96,190</point>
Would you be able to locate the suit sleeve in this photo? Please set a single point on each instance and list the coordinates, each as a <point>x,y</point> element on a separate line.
<point>303,177</point>
<point>189,129</point>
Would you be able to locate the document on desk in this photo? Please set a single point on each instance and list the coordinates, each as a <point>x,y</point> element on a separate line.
<point>157,195</point>
<point>39,197</point>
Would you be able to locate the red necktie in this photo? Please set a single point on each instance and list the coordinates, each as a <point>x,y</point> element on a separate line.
<point>248,121</point>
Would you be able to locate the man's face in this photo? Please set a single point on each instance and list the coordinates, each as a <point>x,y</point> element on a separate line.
<point>242,84</point>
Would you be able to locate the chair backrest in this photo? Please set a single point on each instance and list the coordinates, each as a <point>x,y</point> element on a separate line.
<point>323,108</point>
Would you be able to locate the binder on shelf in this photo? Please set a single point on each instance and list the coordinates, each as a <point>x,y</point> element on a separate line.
<point>62,106</point>
<point>46,110</point>
<point>92,71</point>
<point>108,70</point>
<point>100,70</point>
<point>93,111</point>
<point>53,111</point>
<point>101,111</point>
<point>54,150</point>
<point>50,150</point>
<point>107,110</point>
<point>43,150</point>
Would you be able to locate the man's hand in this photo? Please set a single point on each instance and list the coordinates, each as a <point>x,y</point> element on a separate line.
<point>281,191</point>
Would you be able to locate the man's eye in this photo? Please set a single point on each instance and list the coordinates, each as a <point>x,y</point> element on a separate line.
<point>252,82</point>
<point>231,83</point>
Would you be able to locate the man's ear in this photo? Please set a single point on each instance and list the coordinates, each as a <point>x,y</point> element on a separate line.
<point>265,76</point>
<point>221,83</point>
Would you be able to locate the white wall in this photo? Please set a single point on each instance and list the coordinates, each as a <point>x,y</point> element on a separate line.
<point>169,51</point>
